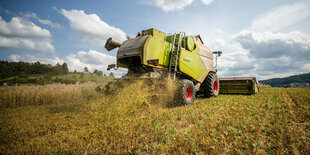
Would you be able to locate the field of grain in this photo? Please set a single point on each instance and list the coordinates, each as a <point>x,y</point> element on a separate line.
<point>16,96</point>
<point>136,119</point>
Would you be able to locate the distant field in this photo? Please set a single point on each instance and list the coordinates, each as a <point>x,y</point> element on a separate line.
<point>84,77</point>
<point>69,78</point>
<point>136,119</point>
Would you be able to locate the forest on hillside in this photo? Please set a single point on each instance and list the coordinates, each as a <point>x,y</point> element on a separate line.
<point>295,80</point>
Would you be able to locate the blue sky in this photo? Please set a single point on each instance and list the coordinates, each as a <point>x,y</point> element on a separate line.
<point>258,38</point>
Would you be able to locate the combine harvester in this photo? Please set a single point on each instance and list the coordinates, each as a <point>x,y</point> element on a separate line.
<point>177,57</point>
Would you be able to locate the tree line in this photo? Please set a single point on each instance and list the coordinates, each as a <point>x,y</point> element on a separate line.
<point>10,69</point>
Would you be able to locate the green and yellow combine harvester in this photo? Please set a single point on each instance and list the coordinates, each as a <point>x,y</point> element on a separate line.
<point>177,57</point>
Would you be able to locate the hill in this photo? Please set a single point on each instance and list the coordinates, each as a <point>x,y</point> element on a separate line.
<point>301,80</point>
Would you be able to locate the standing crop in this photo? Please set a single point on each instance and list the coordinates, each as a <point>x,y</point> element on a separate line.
<point>16,96</point>
<point>138,120</point>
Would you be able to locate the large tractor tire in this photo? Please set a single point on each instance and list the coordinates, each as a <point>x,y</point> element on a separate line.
<point>211,85</point>
<point>186,92</point>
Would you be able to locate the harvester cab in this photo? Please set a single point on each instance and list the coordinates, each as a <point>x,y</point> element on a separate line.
<point>181,58</point>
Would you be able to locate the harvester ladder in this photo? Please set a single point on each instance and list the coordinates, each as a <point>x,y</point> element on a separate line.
<point>168,45</point>
<point>171,55</point>
<point>176,52</point>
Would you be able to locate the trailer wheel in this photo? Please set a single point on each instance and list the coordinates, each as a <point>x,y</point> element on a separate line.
<point>186,92</point>
<point>211,85</point>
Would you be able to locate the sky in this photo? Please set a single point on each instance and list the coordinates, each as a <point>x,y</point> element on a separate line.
<point>265,38</point>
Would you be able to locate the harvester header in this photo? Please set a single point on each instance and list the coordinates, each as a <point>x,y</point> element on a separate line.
<point>238,85</point>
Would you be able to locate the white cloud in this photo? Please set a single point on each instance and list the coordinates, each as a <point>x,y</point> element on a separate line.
<point>91,59</point>
<point>243,64</point>
<point>282,17</point>
<point>20,27</point>
<point>175,5</point>
<point>235,64</point>
<point>26,44</point>
<point>172,5</point>
<point>264,55</point>
<point>21,33</point>
<point>267,49</point>
<point>276,54</point>
<point>91,28</point>
<point>269,45</point>
<point>206,2</point>
<point>30,58</point>
<point>42,21</point>
<point>306,67</point>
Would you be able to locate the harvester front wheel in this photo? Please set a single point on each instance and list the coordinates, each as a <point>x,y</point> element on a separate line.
<point>186,92</point>
<point>211,85</point>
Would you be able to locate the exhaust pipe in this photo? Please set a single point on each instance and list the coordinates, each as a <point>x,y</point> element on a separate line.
<point>112,43</point>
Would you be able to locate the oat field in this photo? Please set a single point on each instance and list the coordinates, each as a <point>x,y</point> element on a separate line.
<point>135,119</point>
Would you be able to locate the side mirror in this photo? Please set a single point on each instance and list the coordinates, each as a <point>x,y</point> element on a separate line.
<point>111,66</point>
<point>218,53</point>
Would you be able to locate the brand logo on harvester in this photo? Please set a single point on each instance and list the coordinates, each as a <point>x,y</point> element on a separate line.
<point>188,59</point>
